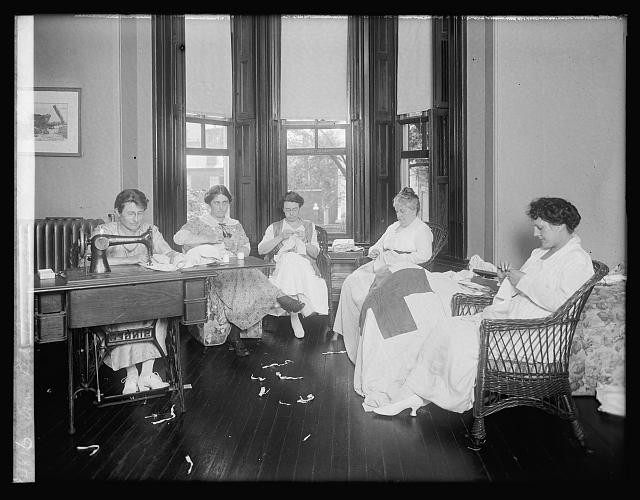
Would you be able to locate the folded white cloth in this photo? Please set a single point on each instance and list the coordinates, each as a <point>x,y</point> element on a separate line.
<point>198,256</point>
<point>475,262</point>
<point>612,399</point>
<point>344,245</point>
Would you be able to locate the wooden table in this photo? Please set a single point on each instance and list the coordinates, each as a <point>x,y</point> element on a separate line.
<point>80,300</point>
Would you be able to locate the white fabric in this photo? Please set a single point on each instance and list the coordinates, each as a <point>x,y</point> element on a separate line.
<point>415,238</point>
<point>475,262</point>
<point>612,399</point>
<point>383,364</point>
<point>197,256</point>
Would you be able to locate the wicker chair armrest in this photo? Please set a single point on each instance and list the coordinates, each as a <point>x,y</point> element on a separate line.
<point>463,304</point>
<point>516,341</point>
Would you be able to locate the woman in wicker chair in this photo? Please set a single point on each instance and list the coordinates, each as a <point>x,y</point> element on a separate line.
<point>406,243</point>
<point>445,367</point>
<point>245,295</point>
<point>294,242</point>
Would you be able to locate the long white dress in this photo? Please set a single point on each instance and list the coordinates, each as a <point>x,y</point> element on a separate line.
<point>294,273</point>
<point>443,369</point>
<point>399,248</point>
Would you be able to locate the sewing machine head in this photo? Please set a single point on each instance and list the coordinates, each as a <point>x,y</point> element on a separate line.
<point>100,242</point>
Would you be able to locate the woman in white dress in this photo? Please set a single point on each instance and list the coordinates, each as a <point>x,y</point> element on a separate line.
<point>295,244</point>
<point>406,243</point>
<point>445,367</point>
<point>130,207</point>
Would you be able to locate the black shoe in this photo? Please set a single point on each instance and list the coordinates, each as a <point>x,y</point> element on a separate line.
<point>290,304</point>
<point>240,348</point>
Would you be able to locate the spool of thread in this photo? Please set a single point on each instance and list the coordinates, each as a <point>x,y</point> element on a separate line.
<point>240,256</point>
<point>225,258</point>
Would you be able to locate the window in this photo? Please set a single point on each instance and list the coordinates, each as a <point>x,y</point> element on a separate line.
<point>318,169</point>
<point>414,158</point>
<point>208,116</point>
<point>314,118</point>
<point>207,159</point>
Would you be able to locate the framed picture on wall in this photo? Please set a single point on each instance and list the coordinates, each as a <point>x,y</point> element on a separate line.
<point>56,121</point>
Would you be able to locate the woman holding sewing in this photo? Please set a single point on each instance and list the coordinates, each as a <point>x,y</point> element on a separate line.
<point>437,356</point>
<point>130,206</point>
<point>245,295</point>
<point>406,243</point>
<point>294,242</point>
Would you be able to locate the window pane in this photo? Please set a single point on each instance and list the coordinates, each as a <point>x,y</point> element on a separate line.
<point>194,139</point>
<point>419,181</point>
<point>415,136</point>
<point>321,181</point>
<point>331,138</point>
<point>300,138</point>
<point>202,173</point>
<point>215,136</point>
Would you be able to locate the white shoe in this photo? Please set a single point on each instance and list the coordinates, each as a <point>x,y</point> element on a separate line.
<point>130,385</point>
<point>414,402</point>
<point>151,381</point>
<point>296,324</point>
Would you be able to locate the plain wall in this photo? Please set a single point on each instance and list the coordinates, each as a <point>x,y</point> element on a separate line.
<point>109,59</point>
<point>558,111</point>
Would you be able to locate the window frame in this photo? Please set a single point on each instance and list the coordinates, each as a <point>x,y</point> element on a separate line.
<point>345,150</point>
<point>204,120</point>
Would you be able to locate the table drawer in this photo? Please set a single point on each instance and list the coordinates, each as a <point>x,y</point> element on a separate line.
<point>195,311</point>
<point>50,327</point>
<point>125,303</point>
<point>50,302</point>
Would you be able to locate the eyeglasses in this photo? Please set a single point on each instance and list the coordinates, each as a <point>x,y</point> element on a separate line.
<point>291,210</point>
<point>404,210</point>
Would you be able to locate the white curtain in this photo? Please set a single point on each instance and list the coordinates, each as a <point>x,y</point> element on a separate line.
<point>314,68</point>
<point>208,65</point>
<point>415,64</point>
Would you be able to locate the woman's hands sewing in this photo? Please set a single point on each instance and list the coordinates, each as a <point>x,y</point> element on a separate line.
<point>505,271</point>
<point>373,253</point>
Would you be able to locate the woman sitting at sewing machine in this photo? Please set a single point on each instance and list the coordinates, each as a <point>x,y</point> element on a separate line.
<point>130,207</point>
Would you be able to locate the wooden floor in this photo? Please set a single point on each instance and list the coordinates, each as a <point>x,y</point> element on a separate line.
<point>231,433</point>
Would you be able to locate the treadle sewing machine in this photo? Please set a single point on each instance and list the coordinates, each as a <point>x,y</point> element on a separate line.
<point>79,303</point>
<point>99,244</point>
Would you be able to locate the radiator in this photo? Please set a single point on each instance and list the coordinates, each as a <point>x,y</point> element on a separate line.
<point>54,239</point>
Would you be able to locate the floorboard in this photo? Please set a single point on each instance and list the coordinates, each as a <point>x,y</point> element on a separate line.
<point>231,433</point>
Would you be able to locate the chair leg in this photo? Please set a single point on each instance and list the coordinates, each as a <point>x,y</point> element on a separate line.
<point>575,423</point>
<point>478,434</point>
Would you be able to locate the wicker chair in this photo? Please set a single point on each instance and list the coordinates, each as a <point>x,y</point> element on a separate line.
<point>526,362</point>
<point>439,240</point>
<point>323,262</point>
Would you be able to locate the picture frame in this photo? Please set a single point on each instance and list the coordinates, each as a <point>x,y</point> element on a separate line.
<point>56,126</point>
